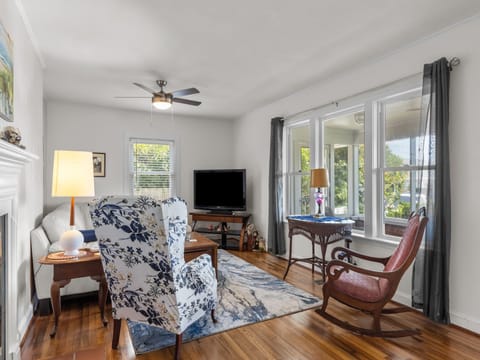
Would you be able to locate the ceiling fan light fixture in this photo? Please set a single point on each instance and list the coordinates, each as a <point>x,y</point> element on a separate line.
<point>162,102</point>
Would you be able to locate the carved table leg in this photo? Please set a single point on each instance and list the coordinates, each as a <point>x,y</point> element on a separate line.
<point>56,303</point>
<point>102,296</point>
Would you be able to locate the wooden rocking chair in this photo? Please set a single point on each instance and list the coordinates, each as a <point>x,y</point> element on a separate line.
<point>369,290</point>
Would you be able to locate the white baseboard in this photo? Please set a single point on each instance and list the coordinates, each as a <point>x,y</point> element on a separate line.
<point>459,319</point>
<point>465,321</point>
<point>21,331</point>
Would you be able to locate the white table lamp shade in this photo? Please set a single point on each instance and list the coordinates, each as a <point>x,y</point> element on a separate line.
<point>72,176</point>
<point>72,173</point>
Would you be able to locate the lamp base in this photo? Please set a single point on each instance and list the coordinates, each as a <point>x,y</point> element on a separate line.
<point>70,241</point>
<point>318,215</point>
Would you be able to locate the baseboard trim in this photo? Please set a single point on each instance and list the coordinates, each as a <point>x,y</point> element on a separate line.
<point>465,322</point>
<point>23,327</point>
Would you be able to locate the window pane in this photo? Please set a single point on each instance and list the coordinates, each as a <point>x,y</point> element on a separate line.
<point>299,190</point>
<point>298,175</point>
<point>152,169</point>
<point>402,128</point>
<point>345,159</point>
<point>402,195</point>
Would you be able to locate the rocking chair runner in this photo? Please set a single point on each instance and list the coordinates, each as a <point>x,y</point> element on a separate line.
<point>369,290</point>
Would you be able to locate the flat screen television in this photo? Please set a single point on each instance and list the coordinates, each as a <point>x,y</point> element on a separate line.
<point>220,190</point>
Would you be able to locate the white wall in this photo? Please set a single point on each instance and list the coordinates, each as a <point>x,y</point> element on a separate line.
<point>28,117</point>
<point>200,143</point>
<point>460,41</point>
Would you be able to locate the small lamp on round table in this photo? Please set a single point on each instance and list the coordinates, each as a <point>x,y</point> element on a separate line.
<point>72,176</point>
<point>319,180</point>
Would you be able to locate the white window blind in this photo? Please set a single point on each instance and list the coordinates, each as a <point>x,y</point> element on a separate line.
<point>152,168</point>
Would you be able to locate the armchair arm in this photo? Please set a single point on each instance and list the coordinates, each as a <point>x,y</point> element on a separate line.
<point>200,270</point>
<point>336,267</point>
<point>39,245</point>
<point>347,252</point>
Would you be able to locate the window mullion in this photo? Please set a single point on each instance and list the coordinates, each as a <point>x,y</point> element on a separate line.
<point>371,175</point>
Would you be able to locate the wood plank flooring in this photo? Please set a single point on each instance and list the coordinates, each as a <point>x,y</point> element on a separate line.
<point>305,335</point>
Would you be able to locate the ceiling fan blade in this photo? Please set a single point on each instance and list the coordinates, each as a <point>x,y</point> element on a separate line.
<point>132,97</point>
<point>145,88</point>
<point>187,102</point>
<point>184,92</point>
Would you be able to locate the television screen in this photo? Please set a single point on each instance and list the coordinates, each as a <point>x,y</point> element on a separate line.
<point>219,190</point>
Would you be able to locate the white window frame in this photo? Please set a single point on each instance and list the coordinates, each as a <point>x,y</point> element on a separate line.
<point>293,150</point>
<point>173,163</point>
<point>370,102</point>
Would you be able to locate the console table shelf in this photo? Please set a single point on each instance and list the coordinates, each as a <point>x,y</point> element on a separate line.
<point>223,220</point>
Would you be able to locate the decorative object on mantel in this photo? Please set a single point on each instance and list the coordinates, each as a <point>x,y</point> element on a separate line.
<point>98,164</point>
<point>319,180</point>
<point>12,135</point>
<point>6,75</point>
<point>72,176</point>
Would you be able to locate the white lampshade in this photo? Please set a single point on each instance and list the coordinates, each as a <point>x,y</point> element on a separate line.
<point>72,173</point>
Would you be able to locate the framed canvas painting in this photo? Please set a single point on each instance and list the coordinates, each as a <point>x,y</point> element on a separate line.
<point>98,164</point>
<point>6,75</point>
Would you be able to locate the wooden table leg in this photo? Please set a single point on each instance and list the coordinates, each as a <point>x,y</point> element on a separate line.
<point>56,303</point>
<point>102,296</point>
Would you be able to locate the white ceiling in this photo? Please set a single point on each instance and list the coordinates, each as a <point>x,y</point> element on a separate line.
<point>239,54</point>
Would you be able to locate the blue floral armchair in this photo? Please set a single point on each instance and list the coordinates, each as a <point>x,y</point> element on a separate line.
<point>141,243</point>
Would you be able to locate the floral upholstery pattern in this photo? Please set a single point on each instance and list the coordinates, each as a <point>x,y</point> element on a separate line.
<point>141,243</point>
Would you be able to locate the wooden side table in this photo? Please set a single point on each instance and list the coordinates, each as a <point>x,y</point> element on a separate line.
<point>224,220</point>
<point>322,231</point>
<point>65,269</point>
<point>203,245</point>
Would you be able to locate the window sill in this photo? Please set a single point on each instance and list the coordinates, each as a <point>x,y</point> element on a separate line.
<point>383,241</point>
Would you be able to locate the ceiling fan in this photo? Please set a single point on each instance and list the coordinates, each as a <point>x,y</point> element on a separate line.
<point>163,100</point>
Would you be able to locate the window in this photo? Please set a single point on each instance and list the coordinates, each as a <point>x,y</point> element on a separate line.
<point>400,118</point>
<point>369,144</point>
<point>152,168</point>
<point>298,173</point>
<point>344,158</point>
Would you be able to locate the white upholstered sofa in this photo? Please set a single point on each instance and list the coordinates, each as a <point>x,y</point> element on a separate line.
<point>44,239</point>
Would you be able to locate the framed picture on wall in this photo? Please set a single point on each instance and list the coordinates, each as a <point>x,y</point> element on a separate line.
<point>98,164</point>
<point>6,75</point>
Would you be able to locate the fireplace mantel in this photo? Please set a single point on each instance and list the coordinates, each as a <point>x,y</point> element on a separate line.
<point>12,156</point>
<point>13,159</point>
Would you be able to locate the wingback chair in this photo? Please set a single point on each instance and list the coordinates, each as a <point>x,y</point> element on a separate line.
<point>370,290</point>
<point>141,243</point>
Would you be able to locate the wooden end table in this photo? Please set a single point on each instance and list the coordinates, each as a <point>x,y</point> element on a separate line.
<point>67,268</point>
<point>203,245</point>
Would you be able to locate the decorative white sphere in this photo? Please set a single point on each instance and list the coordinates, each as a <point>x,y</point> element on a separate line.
<point>70,241</point>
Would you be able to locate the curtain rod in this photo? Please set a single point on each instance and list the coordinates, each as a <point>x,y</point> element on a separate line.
<point>454,61</point>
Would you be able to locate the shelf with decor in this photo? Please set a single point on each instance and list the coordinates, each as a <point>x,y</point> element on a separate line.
<point>222,227</point>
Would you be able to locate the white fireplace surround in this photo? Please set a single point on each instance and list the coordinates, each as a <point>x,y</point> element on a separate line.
<point>12,162</point>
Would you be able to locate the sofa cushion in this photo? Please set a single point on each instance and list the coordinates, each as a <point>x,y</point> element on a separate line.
<point>88,235</point>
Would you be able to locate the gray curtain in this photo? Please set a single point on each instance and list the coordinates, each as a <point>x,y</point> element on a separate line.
<point>431,271</point>
<point>276,238</point>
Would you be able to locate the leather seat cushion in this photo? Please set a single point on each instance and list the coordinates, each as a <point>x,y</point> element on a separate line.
<point>359,286</point>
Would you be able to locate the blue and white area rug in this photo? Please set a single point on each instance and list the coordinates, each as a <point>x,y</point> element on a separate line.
<point>246,295</point>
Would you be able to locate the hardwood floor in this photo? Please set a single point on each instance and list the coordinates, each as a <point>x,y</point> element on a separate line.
<point>305,335</point>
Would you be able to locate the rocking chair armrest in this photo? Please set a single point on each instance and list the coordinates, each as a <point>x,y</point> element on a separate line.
<point>336,267</point>
<point>348,252</point>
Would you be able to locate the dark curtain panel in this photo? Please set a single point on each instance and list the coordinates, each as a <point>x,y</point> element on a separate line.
<point>431,270</point>
<point>276,238</point>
